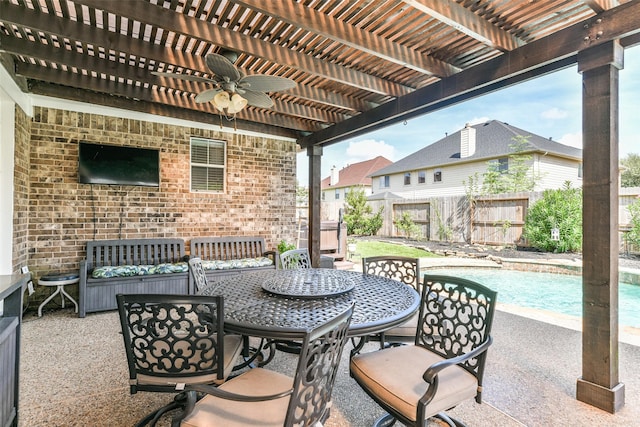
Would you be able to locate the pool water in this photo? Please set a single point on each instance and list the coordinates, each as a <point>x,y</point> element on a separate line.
<point>546,291</point>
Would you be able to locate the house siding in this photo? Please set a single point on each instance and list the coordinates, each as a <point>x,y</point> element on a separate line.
<point>555,171</point>
<point>452,184</point>
<point>64,214</point>
<point>455,178</point>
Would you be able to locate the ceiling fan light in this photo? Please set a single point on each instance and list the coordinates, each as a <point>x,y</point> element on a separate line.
<point>221,100</point>
<point>237,103</point>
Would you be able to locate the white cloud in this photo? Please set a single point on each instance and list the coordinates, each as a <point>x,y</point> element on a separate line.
<point>554,114</point>
<point>572,140</point>
<point>471,122</point>
<point>367,149</point>
<point>476,121</point>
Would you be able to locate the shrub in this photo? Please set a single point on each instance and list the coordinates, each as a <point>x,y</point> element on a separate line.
<point>406,226</point>
<point>284,246</point>
<point>359,215</point>
<point>561,209</point>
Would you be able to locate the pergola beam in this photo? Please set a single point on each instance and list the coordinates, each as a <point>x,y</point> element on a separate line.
<point>81,95</point>
<point>112,87</point>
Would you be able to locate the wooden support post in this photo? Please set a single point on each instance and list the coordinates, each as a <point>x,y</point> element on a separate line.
<point>313,238</point>
<point>599,385</point>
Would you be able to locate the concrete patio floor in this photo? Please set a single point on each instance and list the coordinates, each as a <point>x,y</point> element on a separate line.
<point>73,373</point>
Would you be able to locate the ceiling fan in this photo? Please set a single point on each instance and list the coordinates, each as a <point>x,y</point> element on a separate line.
<point>233,90</point>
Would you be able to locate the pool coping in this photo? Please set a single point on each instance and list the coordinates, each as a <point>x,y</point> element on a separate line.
<point>560,266</point>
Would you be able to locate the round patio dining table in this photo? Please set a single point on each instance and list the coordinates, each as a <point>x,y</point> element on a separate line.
<point>274,303</point>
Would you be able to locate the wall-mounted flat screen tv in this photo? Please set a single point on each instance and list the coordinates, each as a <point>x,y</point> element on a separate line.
<point>115,165</point>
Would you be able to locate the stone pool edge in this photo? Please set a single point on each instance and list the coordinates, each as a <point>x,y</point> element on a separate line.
<point>558,266</point>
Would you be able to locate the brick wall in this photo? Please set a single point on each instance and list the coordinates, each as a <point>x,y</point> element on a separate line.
<point>20,246</point>
<point>63,214</point>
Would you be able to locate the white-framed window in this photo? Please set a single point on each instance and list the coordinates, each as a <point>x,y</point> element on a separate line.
<point>437,175</point>
<point>384,181</point>
<point>337,194</point>
<point>422,177</point>
<point>580,170</point>
<point>208,165</point>
<point>407,178</point>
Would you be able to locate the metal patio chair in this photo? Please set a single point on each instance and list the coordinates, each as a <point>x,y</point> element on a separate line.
<point>295,259</point>
<point>197,272</point>
<point>402,269</point>
<point>268,398</point>
<point>174,340</point>
<point>444,367</point>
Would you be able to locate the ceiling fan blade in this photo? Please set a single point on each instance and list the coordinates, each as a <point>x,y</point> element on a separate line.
<point>257,99</point>
<point>207,95</point>
<point>222,67</point>
<point>185,77</point>
<point>264,83</point>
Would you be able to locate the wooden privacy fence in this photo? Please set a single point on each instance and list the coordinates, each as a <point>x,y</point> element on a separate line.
<point>498,221</point>
<point>494,220</point>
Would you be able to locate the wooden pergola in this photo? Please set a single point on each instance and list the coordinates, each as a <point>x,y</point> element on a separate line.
<point>359,65</point>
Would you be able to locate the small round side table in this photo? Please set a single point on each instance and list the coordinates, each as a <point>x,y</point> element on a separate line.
<point>59,280</point>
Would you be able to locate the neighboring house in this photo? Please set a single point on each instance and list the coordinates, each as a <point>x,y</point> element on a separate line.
<point>443,168</point>
<point>339,183</point>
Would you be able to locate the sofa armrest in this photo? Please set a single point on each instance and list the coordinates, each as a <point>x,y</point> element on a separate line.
<point>82,287</point>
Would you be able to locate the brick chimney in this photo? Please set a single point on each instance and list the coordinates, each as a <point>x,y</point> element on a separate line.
<point>335,176</point>
<point>467,141</point>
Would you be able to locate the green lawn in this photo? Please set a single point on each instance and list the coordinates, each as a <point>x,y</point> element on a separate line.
<point>367,248</point>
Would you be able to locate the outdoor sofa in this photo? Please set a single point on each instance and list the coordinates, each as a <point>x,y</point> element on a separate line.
<point>136,266</point>
<point>130,266</point>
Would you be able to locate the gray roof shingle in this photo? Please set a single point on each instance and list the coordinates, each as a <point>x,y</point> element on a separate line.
<point>493,140</point>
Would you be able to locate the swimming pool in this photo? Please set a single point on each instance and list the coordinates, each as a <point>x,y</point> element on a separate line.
<point>558,293</point>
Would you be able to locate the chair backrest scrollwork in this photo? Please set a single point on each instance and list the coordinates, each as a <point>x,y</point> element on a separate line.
<point>171,336</point>
<point>455,317</point>
<point>198,274</point>
<point>402,269</point>
<point>295,259</point>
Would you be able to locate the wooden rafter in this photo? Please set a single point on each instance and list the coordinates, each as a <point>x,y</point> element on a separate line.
<point>465,21</point>
<point>319,23</point>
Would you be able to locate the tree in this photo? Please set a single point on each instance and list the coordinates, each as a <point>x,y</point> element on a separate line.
<point>517,177</point>
<point>302,195</point>
<point>359,215</point>
<point>630,176</point>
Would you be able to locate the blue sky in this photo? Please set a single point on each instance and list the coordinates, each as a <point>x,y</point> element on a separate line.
<point>549,106</point>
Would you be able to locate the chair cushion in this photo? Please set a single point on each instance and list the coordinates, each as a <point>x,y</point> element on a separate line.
<point>232,349</point>
<point>394,375</point>
<point>108,271</point>
<point>407,330</point>
<point>214,411</point>
<point>236,263</point>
